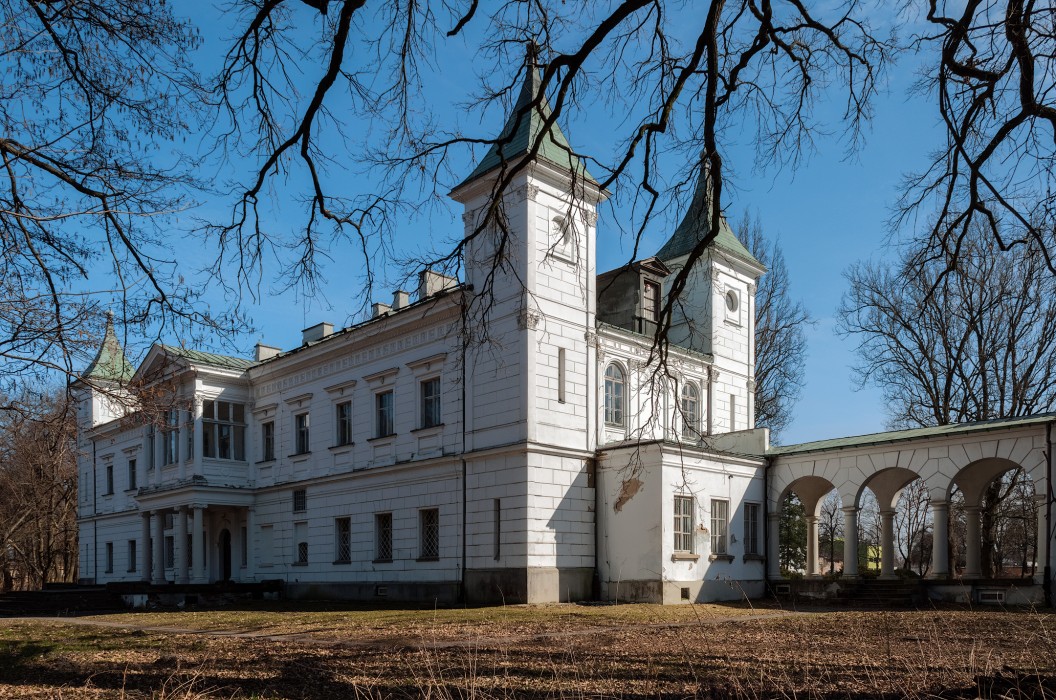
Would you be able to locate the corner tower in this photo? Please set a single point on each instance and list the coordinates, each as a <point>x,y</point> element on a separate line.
<point>716,314</point>
<point>530,218</point>
<point>100,389</point>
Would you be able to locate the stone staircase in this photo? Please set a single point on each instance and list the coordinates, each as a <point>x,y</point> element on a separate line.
<point>60,601</point>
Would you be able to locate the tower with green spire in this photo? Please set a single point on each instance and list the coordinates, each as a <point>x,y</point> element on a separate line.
<point>103,383</point>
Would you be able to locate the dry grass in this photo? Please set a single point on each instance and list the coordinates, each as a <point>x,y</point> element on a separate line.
<point>550,652</point>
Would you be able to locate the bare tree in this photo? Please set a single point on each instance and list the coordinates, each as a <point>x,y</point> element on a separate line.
<point>913,528</point>
<point>780,340</point>
<point>38,477</point>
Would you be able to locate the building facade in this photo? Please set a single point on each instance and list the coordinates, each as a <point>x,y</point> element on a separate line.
<point>507,437</point>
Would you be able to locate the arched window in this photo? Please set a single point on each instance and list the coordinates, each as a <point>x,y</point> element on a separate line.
<point>615,386</point>
<point>690,411</point>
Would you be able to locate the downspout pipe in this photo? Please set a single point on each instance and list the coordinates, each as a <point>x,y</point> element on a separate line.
<point>462,597</point>
<point>767,463</point>
<point>1046,584</point>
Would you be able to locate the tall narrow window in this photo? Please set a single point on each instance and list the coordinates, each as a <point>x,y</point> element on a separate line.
<point>300,542</point>
<point>170,551</point>
<point>615,389</point>
<point>224,430</point>
<point>342,540</point>
<point>267,435</point>
<point>131,474</point>
<point>132,555</point>
<point>720,518</point>
<point>561,375</point>
<point>109,478</point>
<point>383,537</point>
<point>300,501</point>
<point>690,411</point>
<point>751,528</point>
<point>344,423</point>
<point>430,389</point>
<point>733,412</point>
<point>301,436</point>
<point>109,558</point>
<point>651,302</point>
<point>497,508</point>
<point>683,524</point>
<point>429,533</point>
<point>383,414</point>
<point>170,437</point>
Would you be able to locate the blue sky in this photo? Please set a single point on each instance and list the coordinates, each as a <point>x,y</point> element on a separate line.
<point>827,214</point>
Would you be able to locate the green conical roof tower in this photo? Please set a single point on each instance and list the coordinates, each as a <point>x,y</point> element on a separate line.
<point>110,363</point>
<point>694,228</point>
<point>524,127</point>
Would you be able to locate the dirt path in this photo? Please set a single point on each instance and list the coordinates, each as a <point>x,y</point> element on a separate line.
<point>398,642</point>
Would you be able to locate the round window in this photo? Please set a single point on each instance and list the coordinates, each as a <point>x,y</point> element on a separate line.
<point>731,300</point>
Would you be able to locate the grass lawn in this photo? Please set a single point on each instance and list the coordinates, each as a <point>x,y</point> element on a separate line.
<point>627,651</point>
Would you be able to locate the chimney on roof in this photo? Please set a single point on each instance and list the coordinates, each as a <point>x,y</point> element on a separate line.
<point>400,299</point>
<point>316,332</point>
<point>430,283</point>
<point>265,352</point>
<point>378,309</point>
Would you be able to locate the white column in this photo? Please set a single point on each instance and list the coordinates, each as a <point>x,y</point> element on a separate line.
<point>850,542</point>
<point>972,566</point>
<point>196,405</point>
<point>159,548</point>
<point>887,544</point>
<point>198,546</point>
<point>251,527</point>
<point>1042,558</point>
<point>940,541</point>
<point>812,545</point>
<point>180,540</point>
<point>236,547</point>
<point>773,546</point>
<point>144,546</point>
<point>182,447</point>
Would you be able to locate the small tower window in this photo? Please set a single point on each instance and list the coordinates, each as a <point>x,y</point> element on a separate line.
<point>733,305</point>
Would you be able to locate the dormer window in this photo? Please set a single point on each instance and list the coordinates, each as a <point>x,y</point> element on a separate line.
<point>651,301</point>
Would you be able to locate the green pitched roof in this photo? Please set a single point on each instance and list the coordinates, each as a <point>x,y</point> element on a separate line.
<point>110,363</point>
<point>912,434</point>
<point>694,228</point>
<point>523,129</point>
<point>209,358</point>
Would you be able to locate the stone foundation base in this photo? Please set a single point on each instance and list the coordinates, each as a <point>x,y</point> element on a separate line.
<point>529,585</point>
<point>675,592</point>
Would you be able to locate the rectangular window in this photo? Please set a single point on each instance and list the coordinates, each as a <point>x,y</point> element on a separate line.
<point>651,302</point>
<point>170,551</point>
<point>429,533</point>
<point>109,558</point>
<point>109,479</point>
<point>342,540</point>
<point>170,438</point>
<point>683,523</point>
<point>132,555</point>
<point>300,501</point>
<point>720,518</point>
<point>131,474</point>
<point>301,435</point>
<point>430,389</point>
<point>383,536</point>
<point>383,414</point>
<point>497,508</point>
<point>224,430</point>
<point>751,528</point>
<point>300,539</point>
<point>560,375</point>
<point>267,448</point>
<point>344,423</point>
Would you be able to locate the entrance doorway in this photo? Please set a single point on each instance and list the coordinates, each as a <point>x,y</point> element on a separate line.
<point>225,555</point>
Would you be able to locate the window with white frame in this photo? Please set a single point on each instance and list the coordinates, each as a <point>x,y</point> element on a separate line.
<point>344,422</point>
<point>301,434</point>
<point>109,479</point>
<point>342,540</point>
<point>430,395</point>
<point>109,558</point>
<point>732,302</point>
<point>429,533</point>
<point>132,555</point>
<point>615,391</point>
<point>383,536</point>
<point>690,411</point>
<point>131,474</point>
<point>170,437</point>
<point>383,418</point>
<point>300,501</point>
<point>651,301</point>
<point>224,430</point>
<point>751,528</point>
<point>267,439</point>
<point>683,524</point>
<point>720,518</point>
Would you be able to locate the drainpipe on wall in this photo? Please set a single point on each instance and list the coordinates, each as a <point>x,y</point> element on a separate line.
<point>767,463</point>
<point>95,520</point>
<point>1046,584</point>
<point>462,568</point>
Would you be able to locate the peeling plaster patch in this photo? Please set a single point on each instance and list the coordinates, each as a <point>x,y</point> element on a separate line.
<point>627,491</point>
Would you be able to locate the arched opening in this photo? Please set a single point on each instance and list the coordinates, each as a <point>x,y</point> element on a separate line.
<point>800,523</point>
<point>894,525</point>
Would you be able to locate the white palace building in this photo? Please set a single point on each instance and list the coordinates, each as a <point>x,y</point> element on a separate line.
<point>395,459</point>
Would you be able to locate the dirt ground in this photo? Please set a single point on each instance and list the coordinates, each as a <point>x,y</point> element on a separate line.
<point>631,651</point>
